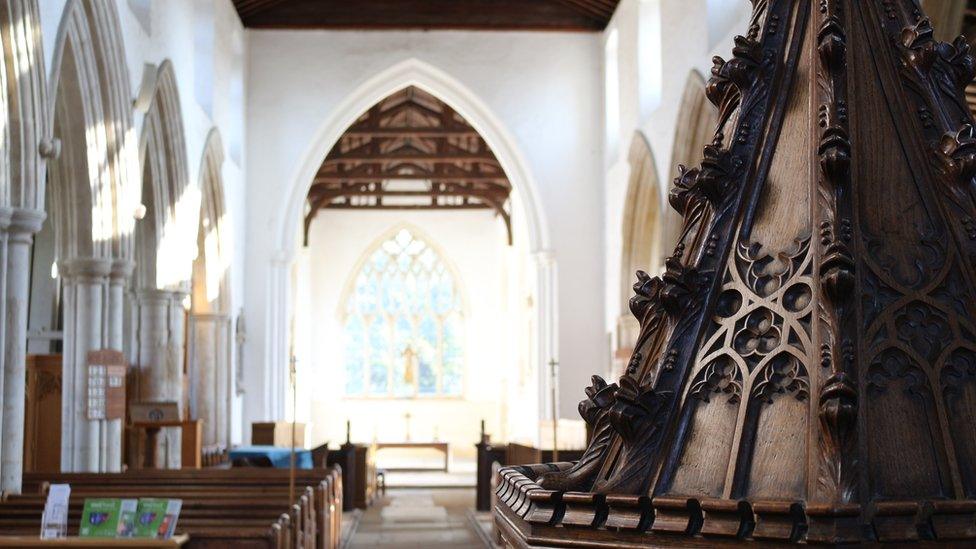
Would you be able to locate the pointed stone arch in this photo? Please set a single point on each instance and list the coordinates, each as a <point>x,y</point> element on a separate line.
<point>212,266</point>
<point>641,230</point>
<point>25,130</point>
<point>165,177</point>
<point>210,350</point>
<point>93,192</point>
<point>92,119</point>
<point>410,72</point>
<point>162,243</point>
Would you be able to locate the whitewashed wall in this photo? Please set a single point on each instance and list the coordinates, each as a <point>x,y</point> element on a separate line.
<point>543,88</point>
<point>207,45</point>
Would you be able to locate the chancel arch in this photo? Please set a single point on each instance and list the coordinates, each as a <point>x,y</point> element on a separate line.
<point>410,206</point>
<point>93,196</point>
<point>526,211</point>
<point>210,322</point>
<point>163,257</point>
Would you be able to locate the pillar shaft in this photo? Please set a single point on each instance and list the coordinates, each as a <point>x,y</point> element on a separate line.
<point>210,371</point>
<point>83,443</point>
<point>121,271</point>
<point>20,234</point>
<point>159,337</point>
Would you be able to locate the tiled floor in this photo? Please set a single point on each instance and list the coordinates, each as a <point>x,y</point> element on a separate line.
<point>419,518</point>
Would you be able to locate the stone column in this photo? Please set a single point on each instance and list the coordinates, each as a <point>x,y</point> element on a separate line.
<point>5,215</point>
<point>159,336</point>
<point>24,224</point>
<point>210,374</point>
<point>85,282</point>
<point>118,279</point>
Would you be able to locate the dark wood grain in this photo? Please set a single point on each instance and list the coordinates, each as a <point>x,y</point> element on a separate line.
<point>806,366</point>
<point>558,15</point>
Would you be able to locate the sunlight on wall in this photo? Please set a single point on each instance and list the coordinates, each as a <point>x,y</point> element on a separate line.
<point>129,195</point>
<point>216,263</point>
<point>650,76</point>
<point>177,245</point>
<point>99,176</point>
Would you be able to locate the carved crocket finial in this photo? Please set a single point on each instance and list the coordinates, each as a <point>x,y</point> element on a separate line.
<point>716,177</point>
<point>957,154</point>
<point>835,154</point>
<point>635,409</point>
<point>647,292</point>
<point>919,43</point>
<point>680,284</point>
<point>684,191</point>
<point>958,57</point>
<point>600,397</point>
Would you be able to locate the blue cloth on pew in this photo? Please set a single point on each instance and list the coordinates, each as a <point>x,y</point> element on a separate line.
<point>279,457</point>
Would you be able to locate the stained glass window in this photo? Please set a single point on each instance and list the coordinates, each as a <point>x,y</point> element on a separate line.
<point>403,324</point>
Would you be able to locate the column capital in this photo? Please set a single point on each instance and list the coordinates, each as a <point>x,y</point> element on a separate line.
<point>25,222</point>
<point>85,267</point>
<point>121,270</point>
<point>146,295</point>
<point>6,212</point>
<point>216,317</point>
<point>160,296</point>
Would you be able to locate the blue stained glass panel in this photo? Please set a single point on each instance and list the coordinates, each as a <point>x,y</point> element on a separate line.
<point>403,324</point>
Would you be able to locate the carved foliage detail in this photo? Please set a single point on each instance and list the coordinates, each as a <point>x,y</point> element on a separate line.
<point>838,418</point>
<point>594,409</point>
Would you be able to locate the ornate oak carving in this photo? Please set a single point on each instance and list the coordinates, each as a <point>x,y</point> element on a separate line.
<point>595,409</point>
<point>806,367</point>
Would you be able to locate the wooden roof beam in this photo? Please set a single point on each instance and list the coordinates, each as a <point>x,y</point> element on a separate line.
<point>343,158</point>
<point>329,178</point>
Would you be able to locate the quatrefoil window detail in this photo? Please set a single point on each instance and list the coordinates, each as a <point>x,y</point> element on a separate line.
<point>759,335</point>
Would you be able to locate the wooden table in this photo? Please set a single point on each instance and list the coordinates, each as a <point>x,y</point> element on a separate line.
<point>179,540</point>
<point>442,447</point>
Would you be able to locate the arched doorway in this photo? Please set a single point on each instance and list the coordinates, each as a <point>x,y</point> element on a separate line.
<point>211,332</point>
<point>539,260</point>
<point>82,256</point>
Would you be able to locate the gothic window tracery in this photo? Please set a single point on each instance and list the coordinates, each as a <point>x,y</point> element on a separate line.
<point>403,323</point>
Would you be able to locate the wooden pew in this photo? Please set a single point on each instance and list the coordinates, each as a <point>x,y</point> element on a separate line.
<point>216,502</point>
